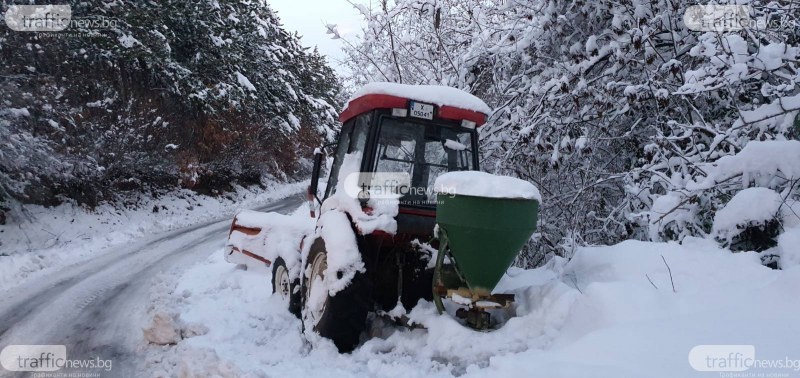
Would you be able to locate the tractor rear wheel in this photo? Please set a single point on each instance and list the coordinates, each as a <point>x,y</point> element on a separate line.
<point>341,317</point>
<point>287,288</point>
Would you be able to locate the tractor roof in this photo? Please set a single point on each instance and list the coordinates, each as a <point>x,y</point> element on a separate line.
<point>454,104</point>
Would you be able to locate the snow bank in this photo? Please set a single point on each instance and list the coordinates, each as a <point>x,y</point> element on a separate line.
<point>205,362</point>
<point>622,325</point>
<point>482,184</point>
<point>435,94</point>
<point>609,312</point>
<point>245,322</point>
<point>749,207</point>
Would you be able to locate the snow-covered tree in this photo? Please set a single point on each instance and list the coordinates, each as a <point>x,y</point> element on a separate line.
<point>206,93</point>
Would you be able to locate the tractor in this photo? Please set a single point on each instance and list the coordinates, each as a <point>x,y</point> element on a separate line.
<point>389,228</point>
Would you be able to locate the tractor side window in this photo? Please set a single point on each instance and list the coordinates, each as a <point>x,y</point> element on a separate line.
<point>460,153</point>
<point>360,131</point>
<point>341,150</point>
<point>353,139</point>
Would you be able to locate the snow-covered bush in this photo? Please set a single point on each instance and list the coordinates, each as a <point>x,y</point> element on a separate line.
<point>734,201</point>
<point>750,220</point>
<point>678,218</point>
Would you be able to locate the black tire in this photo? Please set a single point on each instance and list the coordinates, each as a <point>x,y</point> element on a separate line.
<point>294,286</point>
<point>344,317</point>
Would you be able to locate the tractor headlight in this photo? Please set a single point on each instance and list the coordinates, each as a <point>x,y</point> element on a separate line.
<point>363,196</point>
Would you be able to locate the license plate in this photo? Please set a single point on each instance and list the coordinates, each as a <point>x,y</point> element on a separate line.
<point>421,110</point>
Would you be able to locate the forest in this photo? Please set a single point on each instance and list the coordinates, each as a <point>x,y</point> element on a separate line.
<point>200,95</point>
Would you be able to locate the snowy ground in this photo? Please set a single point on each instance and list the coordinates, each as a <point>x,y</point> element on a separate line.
<point>609,312</point>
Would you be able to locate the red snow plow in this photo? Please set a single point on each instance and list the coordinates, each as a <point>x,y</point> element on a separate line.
<point>382,236</point>
<point>234,249</point>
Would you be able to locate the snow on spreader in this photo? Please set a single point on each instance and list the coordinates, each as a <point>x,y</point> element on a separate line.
<point>405,216</point>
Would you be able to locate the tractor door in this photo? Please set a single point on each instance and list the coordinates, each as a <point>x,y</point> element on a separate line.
<point>352,138</point>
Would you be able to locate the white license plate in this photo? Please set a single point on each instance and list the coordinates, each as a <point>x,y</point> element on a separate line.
<point>421,110</point>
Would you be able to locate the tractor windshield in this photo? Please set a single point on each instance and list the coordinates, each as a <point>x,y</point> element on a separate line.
<point>423,151</point>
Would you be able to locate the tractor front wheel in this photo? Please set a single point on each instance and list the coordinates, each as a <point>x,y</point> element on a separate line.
<point>287,288</point>
<point>341,317</point>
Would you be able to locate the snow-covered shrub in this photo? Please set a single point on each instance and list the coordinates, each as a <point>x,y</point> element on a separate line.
<point>674,216</point>
<point>750,220</point>
<point>744,87</point>
<point>743,194</point>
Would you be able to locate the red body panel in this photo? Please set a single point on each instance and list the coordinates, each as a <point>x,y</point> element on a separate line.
<point>370,102</point>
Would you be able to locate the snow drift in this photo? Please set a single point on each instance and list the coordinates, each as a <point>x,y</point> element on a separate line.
<point>609,312</point>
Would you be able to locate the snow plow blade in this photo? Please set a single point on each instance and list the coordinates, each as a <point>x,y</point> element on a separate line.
<point>258,239</point>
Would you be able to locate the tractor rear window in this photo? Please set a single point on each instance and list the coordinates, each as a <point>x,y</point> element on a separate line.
<point>423,151</point>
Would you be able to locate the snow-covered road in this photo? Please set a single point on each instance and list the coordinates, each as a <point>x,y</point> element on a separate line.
<point>97,308</point>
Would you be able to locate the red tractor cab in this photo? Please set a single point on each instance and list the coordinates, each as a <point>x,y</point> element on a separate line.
<point>423,131</point>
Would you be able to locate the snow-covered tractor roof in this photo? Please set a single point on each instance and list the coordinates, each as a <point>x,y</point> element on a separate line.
<point>453,104</point>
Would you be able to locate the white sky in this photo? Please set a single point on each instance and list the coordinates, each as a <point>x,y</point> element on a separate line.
<point>309,17</point>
